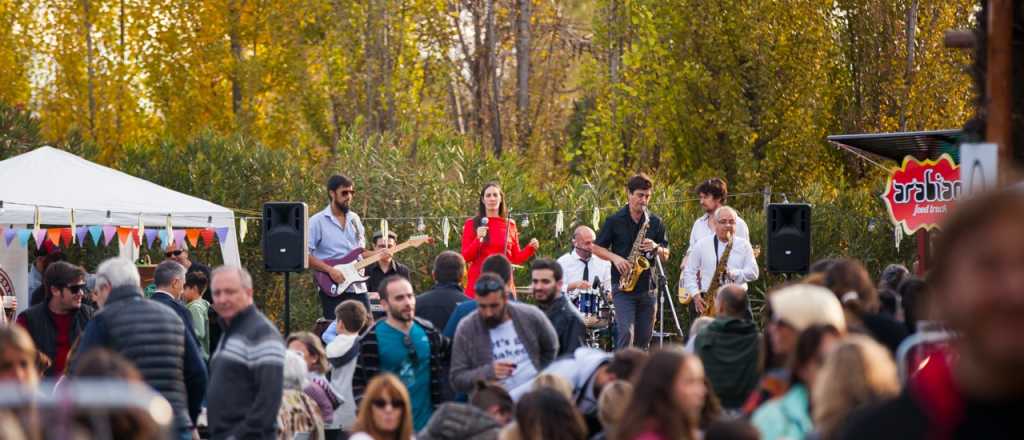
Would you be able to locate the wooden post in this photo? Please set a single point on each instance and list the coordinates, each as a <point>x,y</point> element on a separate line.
<point>923,242</point>
<point>999,88</point>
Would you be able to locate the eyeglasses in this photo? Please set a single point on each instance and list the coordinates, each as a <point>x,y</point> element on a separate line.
<point>384,403</point>
<point>487,286</point>
<point>413,356</point>
<point>727,222</point>
<point>174,253</point>
<point>76,289</point>
<point>347,192</point>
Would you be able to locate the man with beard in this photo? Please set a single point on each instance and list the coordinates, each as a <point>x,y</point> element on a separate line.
<point>57,322</point>
<point>501,341</point>
<point>546,283</point>
<point>406,346</point>
<point>333,233</point>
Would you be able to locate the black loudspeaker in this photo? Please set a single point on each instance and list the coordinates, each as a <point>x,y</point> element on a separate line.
<point>789,238</point>
<point>284,237</point>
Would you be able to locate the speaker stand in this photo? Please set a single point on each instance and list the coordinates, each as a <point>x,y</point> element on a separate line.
<point>287,305</point>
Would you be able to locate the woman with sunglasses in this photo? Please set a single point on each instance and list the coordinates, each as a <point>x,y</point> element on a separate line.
<point>489,233</point>
<point>55,323</point>
<point>384,413</point>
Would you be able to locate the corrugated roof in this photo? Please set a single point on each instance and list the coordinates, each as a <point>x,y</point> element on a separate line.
<point>896,146</point>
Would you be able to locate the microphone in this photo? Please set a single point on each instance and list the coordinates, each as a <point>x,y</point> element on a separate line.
<point>483,222</point>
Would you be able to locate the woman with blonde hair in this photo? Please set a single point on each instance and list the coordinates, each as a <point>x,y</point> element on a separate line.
<point>858,372</point>
<point>611,404</point>
<point>20,361</point>
<point>555,382</point>
<point>385,412</point>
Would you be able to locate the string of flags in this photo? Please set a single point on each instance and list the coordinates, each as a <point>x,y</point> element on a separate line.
<point>105,234</point>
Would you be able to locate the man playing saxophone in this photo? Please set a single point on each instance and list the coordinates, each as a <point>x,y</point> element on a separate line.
<point>630,239</point>
<point>719,259</point>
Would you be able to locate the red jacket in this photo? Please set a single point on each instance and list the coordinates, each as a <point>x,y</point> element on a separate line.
<point>476,252</point>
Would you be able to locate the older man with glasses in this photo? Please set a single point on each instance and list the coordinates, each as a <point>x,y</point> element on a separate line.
<point>406,346</point>
<point>55,323</point>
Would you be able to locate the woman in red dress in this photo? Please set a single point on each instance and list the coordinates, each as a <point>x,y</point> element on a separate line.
<point>481,239</point>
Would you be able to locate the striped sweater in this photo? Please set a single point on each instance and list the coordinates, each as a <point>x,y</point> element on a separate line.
<point>246,378</point>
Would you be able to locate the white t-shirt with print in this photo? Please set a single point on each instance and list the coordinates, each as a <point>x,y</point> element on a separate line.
<point>506,347</point>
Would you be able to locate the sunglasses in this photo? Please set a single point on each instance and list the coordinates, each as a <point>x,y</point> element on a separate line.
<point>383,403</point>
<point>413,356</point>
<point>76,289</point>
<point>174,253</point>
<point>487,286</point>
<point>347,192</point>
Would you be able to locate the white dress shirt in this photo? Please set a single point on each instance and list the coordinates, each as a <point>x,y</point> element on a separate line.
<point>702,228</point>
<point>740,269</point>
<point>572,270</point>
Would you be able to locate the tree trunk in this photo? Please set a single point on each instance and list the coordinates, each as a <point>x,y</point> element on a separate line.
<point>911,33</point>
<point>492,55</point>
<point>121,76</point>
<point>235,40</point>
<point>523,74</point>
<point>90,69</point>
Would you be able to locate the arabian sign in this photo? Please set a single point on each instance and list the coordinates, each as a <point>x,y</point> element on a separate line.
<point>918,194</point>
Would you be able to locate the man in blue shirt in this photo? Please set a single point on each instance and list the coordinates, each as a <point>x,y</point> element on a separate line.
<point>406,346</point>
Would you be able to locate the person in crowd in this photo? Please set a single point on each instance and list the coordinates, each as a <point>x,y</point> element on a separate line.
<point>169,278</point>
<point>384,412</point>
<point>850,282</point>
<point>317,386</point>
<point>730,348</point>
<point>711,409</point>
<point>20,362</point>
<point>48,254</point>
<point>589,370</point>
<point>496,264</point>
<point>913,293</point>
<point>821,266</point>
<point>178,252</point>
<point>731,429</point>
<point>634,310</point>
<point>56,323</point>
<point>889,290</point>
<point>699,324</point>
<point>668,397</point>
<point>408,347</point>
<point>299,412</point>
<point>792,309</point>
<point>857,373</point>
<point>504,341</point>
<point>489,409</point>
<point>555,382</point>
<point>151,335</point>
<point>611,405</point>
<point>975,288</point>
<point>342,354</point>
<point>103,364</point>
<point>789,416</point>
<point>490,232</point>
<point>546,284</point>
<point>546,413</point>
<point>198,308</point>
<point>247,370</point>
<point>386,265</point>
<point>333,233</point>
<point>437,304</point>
<point>702,265</point>
<point>582,269</point>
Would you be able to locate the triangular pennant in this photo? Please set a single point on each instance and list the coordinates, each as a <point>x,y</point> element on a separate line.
<point>162,235</point>
<point>559,223</point>
<point>53,234</point>
<point>39,235</point>
<point>179,237</point>
<point>23,235</point>
<point>150,236</point>
<point>222,234</point>
<point>122,234</point>
<point>80,234</point>
<point>207,235</point>
<point>96,232</point>
<point>108,234</point>
<point>193,236</point>
<point>66,236</point>
<point>9,235</point>
<point>243,229</point>
<point>136,238</point>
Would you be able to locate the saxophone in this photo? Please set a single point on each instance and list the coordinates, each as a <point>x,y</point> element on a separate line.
<point>638,263</point>
<point>716,281</point>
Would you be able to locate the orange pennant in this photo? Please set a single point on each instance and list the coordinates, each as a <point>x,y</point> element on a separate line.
<point>207,235</point>
<point>66,236</point>
<point>193,236</point>
<point>53,234</point>
<point>122,234</point>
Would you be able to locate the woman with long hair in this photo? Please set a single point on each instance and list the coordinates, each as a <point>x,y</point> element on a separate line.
<point>545,413</point>
<point>488,233</point>
<point>385,413</point>
<point>668,399</point>
<point>317,387</point>
<point>20,361</point>
<point>858,372</point>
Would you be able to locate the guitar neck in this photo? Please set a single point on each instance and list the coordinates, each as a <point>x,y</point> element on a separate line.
<point>373,259</point>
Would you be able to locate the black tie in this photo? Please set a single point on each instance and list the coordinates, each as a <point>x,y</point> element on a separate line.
<point>586,270</point>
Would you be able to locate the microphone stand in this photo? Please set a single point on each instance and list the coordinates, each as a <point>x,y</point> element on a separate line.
<point>663,297</point>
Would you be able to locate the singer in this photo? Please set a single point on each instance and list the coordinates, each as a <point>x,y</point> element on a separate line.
<point>491,232</point>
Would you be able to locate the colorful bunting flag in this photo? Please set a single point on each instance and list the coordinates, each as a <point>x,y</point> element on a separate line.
<point>179,237</point>
<point>53,234</point>
<point>150,236</point>
<point>122,234</point>
<point>80,232</point>
<point>109,232</point>
<point>207,235</point>
<point>23,235</point>
<point>136,238</point>
<point>9,235</point>
<point>222,234</point>
<point>192,234</point>
<point>39,235</point>
<point>96,232</point>
<point>162,235</point>
<point>559,223</point>
<point>66,236</point>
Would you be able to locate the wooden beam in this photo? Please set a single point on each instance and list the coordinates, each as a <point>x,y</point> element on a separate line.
<point>998,84</point>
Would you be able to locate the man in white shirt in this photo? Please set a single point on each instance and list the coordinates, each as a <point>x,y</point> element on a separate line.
<point>580,267</point>
<point>740,268</point>
<point>713,193</point>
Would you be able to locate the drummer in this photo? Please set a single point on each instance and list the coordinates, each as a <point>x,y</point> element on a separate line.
<point>583,270</point>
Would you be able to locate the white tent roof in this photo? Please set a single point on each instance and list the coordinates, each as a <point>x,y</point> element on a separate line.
<point>56,181</point>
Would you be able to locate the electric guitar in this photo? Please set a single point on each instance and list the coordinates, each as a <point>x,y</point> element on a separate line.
<point>351,267</point>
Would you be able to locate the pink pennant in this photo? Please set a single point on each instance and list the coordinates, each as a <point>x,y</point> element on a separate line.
<point>39,235</point>
<point>108,234</point>
<point>179,237</point>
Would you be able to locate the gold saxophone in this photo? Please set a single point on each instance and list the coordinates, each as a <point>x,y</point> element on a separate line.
<point>716,281</point>
<point>638,263</point>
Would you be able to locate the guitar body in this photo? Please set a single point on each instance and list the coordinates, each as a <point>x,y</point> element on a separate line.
<point>347,266</point>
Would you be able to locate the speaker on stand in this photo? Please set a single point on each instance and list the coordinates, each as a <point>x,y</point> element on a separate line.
<point>789,238</point>
<point>284,245</point>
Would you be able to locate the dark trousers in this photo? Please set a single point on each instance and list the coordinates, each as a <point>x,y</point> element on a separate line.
<point>634,318</point>
<point>330,303</point>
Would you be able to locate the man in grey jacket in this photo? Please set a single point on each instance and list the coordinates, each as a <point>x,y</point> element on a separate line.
<point>501,341</point>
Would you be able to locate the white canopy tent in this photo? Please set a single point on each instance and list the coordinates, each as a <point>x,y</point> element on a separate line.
<point>56,182</point>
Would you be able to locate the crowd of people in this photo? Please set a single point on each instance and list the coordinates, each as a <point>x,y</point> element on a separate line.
<point>477,361</point>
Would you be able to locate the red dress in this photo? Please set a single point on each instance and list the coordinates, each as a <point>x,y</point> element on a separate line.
<point>476,252</point>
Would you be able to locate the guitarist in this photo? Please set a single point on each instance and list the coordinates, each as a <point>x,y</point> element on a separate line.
<point>333,233</point>
<point>703,262</point>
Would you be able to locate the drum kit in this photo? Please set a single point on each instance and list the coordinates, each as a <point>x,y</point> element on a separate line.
<point>598,315</point>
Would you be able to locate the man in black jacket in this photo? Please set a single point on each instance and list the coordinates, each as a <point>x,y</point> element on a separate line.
<point>409,347</point>
<point>730,348</point>
<point>152,336</point>
<point>169,278</point>
<point>55,323</point>
<point>437,304</point>
<point>546,283</point>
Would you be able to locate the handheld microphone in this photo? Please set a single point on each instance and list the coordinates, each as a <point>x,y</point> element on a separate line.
<point>483,222</point>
